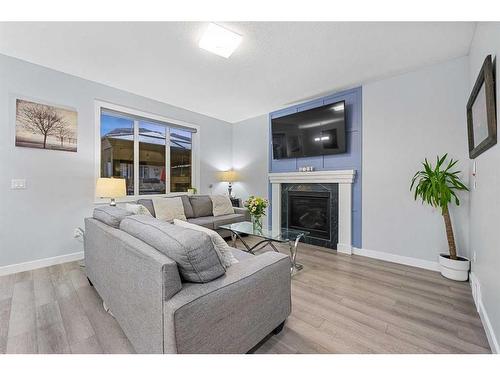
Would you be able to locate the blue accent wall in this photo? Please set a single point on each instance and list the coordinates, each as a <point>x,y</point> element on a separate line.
<point>349,160</point>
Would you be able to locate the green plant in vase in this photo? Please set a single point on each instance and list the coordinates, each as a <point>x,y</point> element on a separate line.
<point>257,208</point>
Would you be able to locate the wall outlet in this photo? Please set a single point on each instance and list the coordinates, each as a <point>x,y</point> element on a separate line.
<point>17,184</point>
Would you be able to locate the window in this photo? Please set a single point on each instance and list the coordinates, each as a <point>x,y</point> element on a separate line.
<point>117,149</point>
<point>180,160</point>
<point>152,165</point>
<point>154,157</point>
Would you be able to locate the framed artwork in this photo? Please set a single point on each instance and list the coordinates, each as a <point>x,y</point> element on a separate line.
<point>45,126</point>
<point>481,112</point>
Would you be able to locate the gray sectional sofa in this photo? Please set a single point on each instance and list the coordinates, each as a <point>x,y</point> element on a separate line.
<point>198,210</point>
<point>159,310</point>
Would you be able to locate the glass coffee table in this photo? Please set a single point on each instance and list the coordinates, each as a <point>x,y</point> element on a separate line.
<point>268,237</point>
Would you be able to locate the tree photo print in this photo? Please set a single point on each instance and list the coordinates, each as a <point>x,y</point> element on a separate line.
<point>44,126</point>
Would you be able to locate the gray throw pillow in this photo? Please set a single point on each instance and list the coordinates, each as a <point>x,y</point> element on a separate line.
<point>193,251</point>
<point>188,209</point>
<point>202,205</point>
<point>110,215</point>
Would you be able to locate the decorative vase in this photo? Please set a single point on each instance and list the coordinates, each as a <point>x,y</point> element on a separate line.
<point>257,223</point>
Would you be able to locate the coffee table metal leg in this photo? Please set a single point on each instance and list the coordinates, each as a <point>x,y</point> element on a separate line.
<point>235,235</point>
<point>293,245</point>
<point>274,247</point>
<point>259,246</point>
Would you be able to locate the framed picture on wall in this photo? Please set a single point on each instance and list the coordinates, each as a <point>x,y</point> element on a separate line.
<point>45,126</point>
<point>481,111</point>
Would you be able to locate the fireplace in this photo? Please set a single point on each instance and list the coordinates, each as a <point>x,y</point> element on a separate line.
<point>338,183</point>
<point>312,208</point>
<point>310,211</point>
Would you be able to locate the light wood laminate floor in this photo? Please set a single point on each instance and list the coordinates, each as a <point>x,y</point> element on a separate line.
<point>341,304</point>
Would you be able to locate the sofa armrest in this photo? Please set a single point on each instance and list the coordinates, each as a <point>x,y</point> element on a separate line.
<point>133,279</point>
<point>233,313</point>
<point>242,210</point>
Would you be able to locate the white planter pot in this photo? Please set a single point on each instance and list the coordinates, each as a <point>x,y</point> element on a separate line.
<point>454,269</point>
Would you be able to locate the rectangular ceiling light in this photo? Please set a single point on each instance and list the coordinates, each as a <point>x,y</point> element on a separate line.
<point>219,40</point>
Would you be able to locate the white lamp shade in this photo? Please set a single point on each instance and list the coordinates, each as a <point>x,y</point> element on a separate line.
<point>111,188</point>
<point>228,176</point>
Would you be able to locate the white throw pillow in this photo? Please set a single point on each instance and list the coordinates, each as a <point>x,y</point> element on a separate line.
<point>168,209</point>
<point>137,209</point>
<point>223,249</point>
<point>221,205</point>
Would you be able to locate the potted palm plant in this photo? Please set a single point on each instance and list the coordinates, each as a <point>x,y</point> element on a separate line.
<point>438,186</point>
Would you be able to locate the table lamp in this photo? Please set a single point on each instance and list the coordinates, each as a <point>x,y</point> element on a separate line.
<point>229,177</point>
<point>111,188</point>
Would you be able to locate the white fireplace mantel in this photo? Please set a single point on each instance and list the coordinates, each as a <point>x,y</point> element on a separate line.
<point>344,178</point>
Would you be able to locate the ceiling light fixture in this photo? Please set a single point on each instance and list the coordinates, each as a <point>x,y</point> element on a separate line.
<point>219,40</point>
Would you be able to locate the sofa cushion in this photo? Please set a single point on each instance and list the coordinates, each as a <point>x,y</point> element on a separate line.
<point>137,209</point>
<point>148,203</point>
<point>233,313</point>
<point>168,209</point>
<point>188,210</point>
<point>228,219</point>
<point>192,250</point>
<point>221,205</point>
<point>223,249</point>
<point>110,215</point>
<point>207,221</point>
<point>202,205</point>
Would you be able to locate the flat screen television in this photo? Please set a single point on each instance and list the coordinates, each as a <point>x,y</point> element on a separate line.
<point>317,131</point>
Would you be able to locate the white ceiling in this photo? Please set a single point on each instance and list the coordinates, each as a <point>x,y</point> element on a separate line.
<point>277,63</point>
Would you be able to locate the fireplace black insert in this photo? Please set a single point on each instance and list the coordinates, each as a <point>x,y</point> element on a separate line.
<point>312,208</point>
<point>310,211</point>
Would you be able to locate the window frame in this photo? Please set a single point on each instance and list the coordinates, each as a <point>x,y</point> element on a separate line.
<point>195,149</point>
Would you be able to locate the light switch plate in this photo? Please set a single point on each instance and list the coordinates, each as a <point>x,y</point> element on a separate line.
<point>17,184</point>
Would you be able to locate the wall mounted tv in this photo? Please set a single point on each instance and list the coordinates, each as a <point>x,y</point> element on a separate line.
<point>317,131</point>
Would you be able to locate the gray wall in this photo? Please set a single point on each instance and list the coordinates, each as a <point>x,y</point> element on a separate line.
<point>38,222</point>
<point>408,118</point>
<point>251,156</point>
<point>485,199</point>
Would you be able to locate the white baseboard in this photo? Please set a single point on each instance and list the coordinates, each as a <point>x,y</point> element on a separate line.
<point>40,263</point>
<point>476,294</point>
<point>408,261</point>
